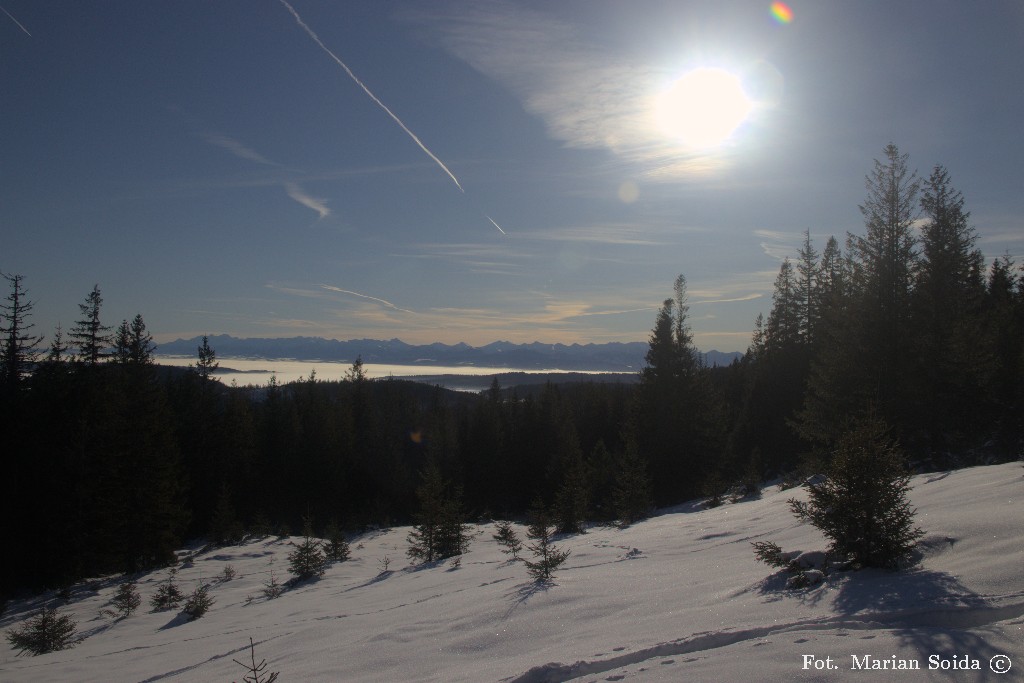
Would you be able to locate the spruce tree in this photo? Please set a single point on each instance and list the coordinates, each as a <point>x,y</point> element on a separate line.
<point>225,529</point>
<point>948,302</point>
<point>508,537</point>
<point>127,599</point>
<point>167,594</point>
<point>89,334</point>
<point>45,632</point>
<point>198,602</point>
<point>632,492</point>
<point>548,556</point>
<point>439,532</point>
<point>18,352</point>
<point>307,560</point>
<point>861,506</point>
<point>207,364</point>
<point>336,547</point>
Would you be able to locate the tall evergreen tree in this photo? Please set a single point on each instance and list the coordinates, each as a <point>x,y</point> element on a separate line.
<point>948,298</point>
<point>864,362</point>
<point>439,532</point>
<point>18,352</point>
<point>207,364</point>
<point>808,291</point>
<point>89,334</point>
<point>676,414</point>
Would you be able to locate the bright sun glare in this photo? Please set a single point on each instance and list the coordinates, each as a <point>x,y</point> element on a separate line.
<point>703,108</point>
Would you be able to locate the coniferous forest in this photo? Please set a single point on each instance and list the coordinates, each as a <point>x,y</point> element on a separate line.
<point>112,461</point>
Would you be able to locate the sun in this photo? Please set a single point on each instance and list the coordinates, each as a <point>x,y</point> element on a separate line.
<point>703,108</point>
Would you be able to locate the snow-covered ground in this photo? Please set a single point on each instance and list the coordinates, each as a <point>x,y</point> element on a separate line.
<point>678,597</point>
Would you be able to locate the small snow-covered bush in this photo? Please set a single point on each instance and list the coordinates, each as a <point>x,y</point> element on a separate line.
<point>45,632</point>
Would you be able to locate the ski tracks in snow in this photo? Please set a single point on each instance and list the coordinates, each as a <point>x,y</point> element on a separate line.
<point>960,618</point>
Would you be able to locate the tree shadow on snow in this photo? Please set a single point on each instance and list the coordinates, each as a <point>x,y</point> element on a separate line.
<point>930,611</point>
<point>522,594</point>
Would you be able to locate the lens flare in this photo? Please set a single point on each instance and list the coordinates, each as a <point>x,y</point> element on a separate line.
<point>782,13</point>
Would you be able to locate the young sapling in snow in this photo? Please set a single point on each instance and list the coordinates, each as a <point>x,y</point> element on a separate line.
<point>198,602</point>
<point>125,601</point>
<point>168,594</point>
<point>257,672</point>
<point>508,537</point>
<point>549,557</point>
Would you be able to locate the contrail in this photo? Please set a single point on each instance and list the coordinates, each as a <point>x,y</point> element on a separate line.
<point>332,288</point>
<point>17,22</point>
<point>373,97</point>
<point>495,224</point>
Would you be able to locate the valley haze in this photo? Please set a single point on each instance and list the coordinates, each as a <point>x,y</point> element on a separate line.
<point>608,357</point>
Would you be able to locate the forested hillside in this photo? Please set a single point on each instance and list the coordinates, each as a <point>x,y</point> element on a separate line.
<point>111,463</point>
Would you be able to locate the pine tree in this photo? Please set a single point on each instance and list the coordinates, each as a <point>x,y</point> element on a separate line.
<point>133,345</point>
<point>632,492</point>
<point>676,413</point>
<point>225,529</point>
<point>948,302</point>
<point>439,532</point>
<point>549,556</point>
<point>336,547</point>
<point>18,348</point>
<point>88,333</point>
<point>127,599</point>
<point>45,632</point>
<point>508,537</point>
<point>207,364</point>
<point>808,292</point>
<point>307,560</point>
<point>167,594</point>
<point>198,603</point>
<point>862,505</point>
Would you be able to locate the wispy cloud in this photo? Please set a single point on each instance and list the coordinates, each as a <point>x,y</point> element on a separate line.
<point>588,96</point>
<point>237,148</point>
<point>291,188</point>
<point>299,195</point>
<point>16,22</point>
<point>316,39</point>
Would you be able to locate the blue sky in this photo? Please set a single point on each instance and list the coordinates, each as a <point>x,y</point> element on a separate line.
<point>212,166</point>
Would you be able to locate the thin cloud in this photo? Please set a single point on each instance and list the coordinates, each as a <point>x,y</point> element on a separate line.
<point>16,22</point>
<point>237,148</point>
<point>297,193</point>
<point>587,96</point>
<point>373,97</point>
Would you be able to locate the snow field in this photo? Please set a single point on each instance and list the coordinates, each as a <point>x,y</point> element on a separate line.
<point>676,597</point>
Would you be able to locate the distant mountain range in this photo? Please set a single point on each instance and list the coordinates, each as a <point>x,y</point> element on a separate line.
<point>610,357</point>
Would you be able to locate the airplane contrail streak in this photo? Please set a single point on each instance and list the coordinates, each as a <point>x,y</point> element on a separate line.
<point>495,224</point>
<point>332,288</point>
<point>373,97</point>
<point>17,22</point>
